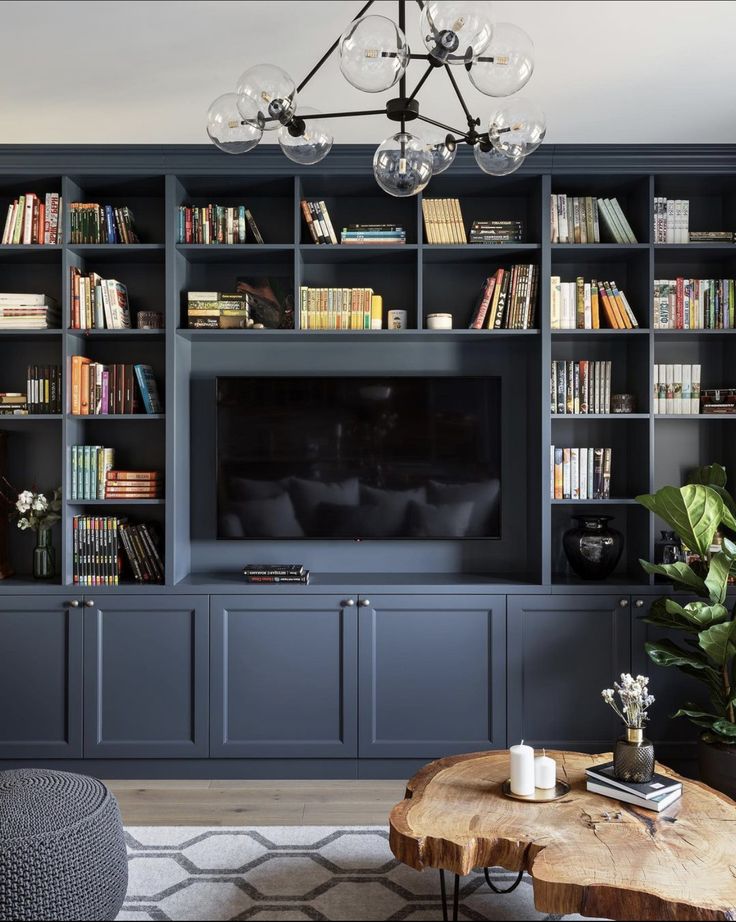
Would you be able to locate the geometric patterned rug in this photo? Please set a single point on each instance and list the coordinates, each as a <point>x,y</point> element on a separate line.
<point>284,873</point>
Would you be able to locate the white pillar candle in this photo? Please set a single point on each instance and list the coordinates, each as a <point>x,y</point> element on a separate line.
<point>545,772</point>
<point>522,769</point>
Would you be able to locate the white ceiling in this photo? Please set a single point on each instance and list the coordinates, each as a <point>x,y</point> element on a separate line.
<point>145,72</point>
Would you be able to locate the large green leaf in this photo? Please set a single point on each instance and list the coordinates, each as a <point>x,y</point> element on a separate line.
<point>717,578</point>
<point>694,511</point>
<point>709,475</point>
<point>667,653</point>
<point>678,573</point>
<point>699,718</point>
<point>718,642</point>
<point>725,728</point>
<point>692,617</point>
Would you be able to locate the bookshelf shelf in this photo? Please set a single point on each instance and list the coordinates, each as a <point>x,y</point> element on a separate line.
<point>600,248</point>
<point>31,334</point>
<point>559,417</point>
<point>581,503</point>
<point>637,331</point>
<point>112,503</point>
<point>131,334</point>
<point>314,254</point>
<point>699,417</point>
<point>119,252</point>
<point>116,417</point>
<point>30,418</point>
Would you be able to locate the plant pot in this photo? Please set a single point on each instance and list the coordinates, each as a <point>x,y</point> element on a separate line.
<point>717,763</point>
<point>592,547</point>
<point>44,556</point>
<point>633,757</point>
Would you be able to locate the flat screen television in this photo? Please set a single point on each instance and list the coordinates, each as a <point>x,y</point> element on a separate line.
<point>358,457</point>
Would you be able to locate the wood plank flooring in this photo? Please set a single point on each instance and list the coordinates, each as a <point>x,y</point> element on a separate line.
<point>256,803</point>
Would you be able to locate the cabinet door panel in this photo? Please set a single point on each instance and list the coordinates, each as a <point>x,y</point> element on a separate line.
<point>283,677</point>
<point>562,651</point>
<point>432,675</point>
<point>40,678</point>
<point>146,677</point>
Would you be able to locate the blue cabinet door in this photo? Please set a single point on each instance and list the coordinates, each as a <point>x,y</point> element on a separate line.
<point>432,675</point>
<point>40,678</point>
<point>146,676</point>
<point>283,672</point>
<point>562,650</point>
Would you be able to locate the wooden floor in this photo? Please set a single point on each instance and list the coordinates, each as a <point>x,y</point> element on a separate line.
<point>256,803</point>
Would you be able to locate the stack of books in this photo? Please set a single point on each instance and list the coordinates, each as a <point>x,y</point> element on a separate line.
<point>99,389</point>
<point>89,467</point>
<point>507,300</point>
<point>497,232</point>
<point>20,311</point>
<point>96,543</point>
<point>13,403</point>
<point>335,308</point>
<point>43,389</point>
<point>443,220</point>
<point>581,473</point>
<point>694,304</point>
<point>578,219</point>
<point>676,389</point>
<point>319,222</point>
<point>97,303</point>
<point>92,223</point>
<point>275,573</point>
<point>133,485</point>
<point>31,220</point>
<point>582,305</point>
<point>671,220</point>
<point>656,794</point>
<point>580,387</point>
<point>208,224</point>
<point>212,310</point>
<point>372,234</point>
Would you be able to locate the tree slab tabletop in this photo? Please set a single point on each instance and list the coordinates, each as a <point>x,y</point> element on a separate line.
<point>678,864</point>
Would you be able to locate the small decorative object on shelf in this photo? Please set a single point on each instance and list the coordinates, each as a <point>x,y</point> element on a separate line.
<point>593,305</point>
<point>718,401</point>
<point>633,757</point>
<point>592,547</point>
<point>623,403</point>
<point>36,512</point>
<point>439,321</point>
<point>397,320</point>
<point>149,320</point>
<point>668,549</point>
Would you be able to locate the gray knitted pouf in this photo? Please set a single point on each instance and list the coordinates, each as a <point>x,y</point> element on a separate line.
<point>62,852</point>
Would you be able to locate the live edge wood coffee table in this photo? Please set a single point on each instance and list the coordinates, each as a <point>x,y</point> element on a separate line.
<point>585,853</point>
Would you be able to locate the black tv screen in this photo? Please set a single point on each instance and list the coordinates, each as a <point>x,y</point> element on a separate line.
<point>358,457</point>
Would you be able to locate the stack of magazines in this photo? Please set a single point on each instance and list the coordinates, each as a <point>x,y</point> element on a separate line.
<point>275,573</point>
<point>656,794</point>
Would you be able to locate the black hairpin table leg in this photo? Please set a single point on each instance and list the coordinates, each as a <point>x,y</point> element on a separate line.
<point>495,889</point>
<point>455,897</point>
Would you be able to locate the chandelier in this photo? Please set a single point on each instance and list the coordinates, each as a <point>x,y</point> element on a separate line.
<point>374,56</point>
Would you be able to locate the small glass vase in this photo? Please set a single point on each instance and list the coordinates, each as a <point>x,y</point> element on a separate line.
<point>44,556</point>
<point>633,757</point>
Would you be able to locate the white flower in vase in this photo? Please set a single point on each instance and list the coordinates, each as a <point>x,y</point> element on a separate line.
<point>24,501</point>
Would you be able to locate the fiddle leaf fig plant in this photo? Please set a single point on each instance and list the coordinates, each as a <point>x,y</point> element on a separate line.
<point>707,653</point>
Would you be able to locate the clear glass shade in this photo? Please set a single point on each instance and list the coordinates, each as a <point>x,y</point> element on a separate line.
<point>517,127</point>
<point>495,163</point>
<point>402,165</point>
<point>512,64</point>
<point>373,53</point>
<point>273,93</point>
<point>228,129</point>
<point>454,31</point>
<point>443,154</point>
<point>313,145</point>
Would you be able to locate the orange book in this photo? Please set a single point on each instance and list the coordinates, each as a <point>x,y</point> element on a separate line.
<point>609,312</point>
<point>84,389</point>
<point>77,362</point>
<point>133,475</point>
<point>623,321</point>
<point>621,306</point>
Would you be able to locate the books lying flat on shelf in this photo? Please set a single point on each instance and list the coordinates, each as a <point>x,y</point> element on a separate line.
<point>507,299</point>
<point>99,389</point>
<point>580,387</point>
<point>92,223</point>
<point>443,221</point>
<point>276,573</point>
<point>657,804</point>
<point>694,304</point>
<point>372,234</point>
<point>580,219</point>
<point>580,473</point>
<point>132,485</point>
<point>43,389</point>
<point>89,467</point>
<point>593,305</point>
<point>31,219</point>
<point>218,310</point>
<point>711,237</point>
<point>658,786</point>
<point>319,222</point>
<point>496,232</point>
<point>671,220</point>
<point>96,545</point>
<point>676,389</point>
<point>20,311</point>
<point>335,308</point>
<point>13,403</point>
<point>97,303</point>
<point>213,224</point>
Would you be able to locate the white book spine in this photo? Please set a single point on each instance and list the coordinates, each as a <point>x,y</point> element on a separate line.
<point>555,302</point>
<point>686,221</point>
<point>588,307</point>
<point>669,391</point>
<point>670,222</point>
<point>695,389</point>
<point>677,389</point>
<point>575,473</point>
<point>583,466</point>
<point>566,473</point>
<point>655,389</point>
<point>687,389</point>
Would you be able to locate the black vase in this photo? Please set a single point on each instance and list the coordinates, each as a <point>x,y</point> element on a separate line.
<point>592,547</point>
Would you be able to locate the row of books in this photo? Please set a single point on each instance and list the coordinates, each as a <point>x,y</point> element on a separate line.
<point>97,303</point>
<point>32,311</point>
<point>656,794</point>
<point>98,546</point>
<point>671,220</point>
<point>99,389</point>
<point>30,219</point>
<point>337,308</point>
<point>443,220</point>
<point>275,573</point>
<point>93,223</point>
<point>13,403</point>
<point>676,389</point>
<point>43,389</point>
<point>578,219</point>
<point>319,223</point>
<point>580,473</point>
<point>507,299</point>
<point>213,224</point>
<point>373,235</point>
<point>486,232</point>
<point>694,304</point>
<point>89,467</point>
<point>580,387</point>
<point>582,305</point>
<point>225,310</point>
<point>123,485</point>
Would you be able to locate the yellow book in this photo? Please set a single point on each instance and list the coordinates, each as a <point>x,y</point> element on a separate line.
<point>428,229</point>
<point>595,308</point>
<point>460,222</point>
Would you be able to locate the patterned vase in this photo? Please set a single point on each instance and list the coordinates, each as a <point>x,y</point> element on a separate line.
<point>633,757</point>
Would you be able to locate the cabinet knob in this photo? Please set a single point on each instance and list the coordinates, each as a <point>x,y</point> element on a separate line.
<point>365,602</point>
<point>73,604</point>
<point>624,603</point>
<point>349,602</point>
<point>89,603</point>
<point>639,603</point>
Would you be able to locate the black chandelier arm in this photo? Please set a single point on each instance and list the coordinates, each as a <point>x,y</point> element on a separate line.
<point>466,136</point>
<point>343,114</point>
<point>329,51</point>
<point>422,81</point>
<point>472,122</point>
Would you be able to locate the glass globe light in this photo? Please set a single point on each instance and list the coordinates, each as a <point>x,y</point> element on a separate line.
<point>228,129</point>
<point>273,92</point>
<point>313,145</point>
<point>513,62</point>
<point>517,128</point>
<point>443,154</point>
<point>495,163</point>
<point>373,53</point>
<point>455,32</point>
<point>402,165</point>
